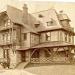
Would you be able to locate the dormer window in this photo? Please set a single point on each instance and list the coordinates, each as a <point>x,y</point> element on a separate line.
<point>51,22</point>
<point>36,25</point>
<point>40,16</point>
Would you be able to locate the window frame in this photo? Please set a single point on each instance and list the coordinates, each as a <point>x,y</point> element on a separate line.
<point>25,36</point>
<point>49,23</point>
<point>48,37</point>
<point>66,37</point>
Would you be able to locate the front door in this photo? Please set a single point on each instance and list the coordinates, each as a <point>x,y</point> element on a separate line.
<point>23,56</point>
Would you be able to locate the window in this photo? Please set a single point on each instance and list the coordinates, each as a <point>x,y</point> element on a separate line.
<point>65,36</point>
<point>14,35</point>
<point>37,25</point>
<point>5,23</point>
<point>51,22</point>
<point>69,38</point>
<point>25,36</point>
<point>3,37</point>
<point>9,22</point>
<point>5,54</point>
<point>8,37</point>
<point>40,16</point>
<point>48,36</point>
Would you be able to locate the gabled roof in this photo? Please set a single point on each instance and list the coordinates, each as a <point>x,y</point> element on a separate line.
<point>16,16</point>
<point>47,15</point>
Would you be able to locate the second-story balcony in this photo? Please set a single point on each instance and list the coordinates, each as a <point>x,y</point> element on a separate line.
<point>4,28</point>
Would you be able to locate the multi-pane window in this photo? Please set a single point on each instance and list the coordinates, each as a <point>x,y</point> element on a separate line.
<point>48,36</point>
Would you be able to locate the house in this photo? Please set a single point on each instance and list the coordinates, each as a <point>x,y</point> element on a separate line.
<point>41,37</point>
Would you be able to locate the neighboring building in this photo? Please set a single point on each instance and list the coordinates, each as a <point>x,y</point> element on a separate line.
<point>42,37</point>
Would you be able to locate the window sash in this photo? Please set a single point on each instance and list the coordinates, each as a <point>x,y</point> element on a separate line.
<point>48,36</point>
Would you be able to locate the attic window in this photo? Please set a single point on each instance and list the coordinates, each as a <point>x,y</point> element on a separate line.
<point>40,16</point>
<point>49,23</point>
<point>36,25</point>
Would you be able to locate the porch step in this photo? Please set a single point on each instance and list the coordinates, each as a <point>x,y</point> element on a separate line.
<point>22,65</point>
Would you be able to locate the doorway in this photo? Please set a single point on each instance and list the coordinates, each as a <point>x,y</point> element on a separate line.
<point>23,56</point>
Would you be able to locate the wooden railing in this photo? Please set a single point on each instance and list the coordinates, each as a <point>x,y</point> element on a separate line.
<point>5,27</point>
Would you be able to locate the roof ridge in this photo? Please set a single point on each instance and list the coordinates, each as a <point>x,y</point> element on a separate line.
<point>14,7</point>
<point>43,10</point>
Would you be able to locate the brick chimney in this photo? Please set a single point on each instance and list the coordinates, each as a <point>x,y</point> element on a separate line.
<point>25,14</point>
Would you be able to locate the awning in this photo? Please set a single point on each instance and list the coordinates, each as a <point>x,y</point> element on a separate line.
<point>53,44</point>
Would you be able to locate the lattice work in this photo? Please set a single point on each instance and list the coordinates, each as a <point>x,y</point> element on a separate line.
<point>41,60</point>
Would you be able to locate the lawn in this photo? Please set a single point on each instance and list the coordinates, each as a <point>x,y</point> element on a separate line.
<point>52,70</point>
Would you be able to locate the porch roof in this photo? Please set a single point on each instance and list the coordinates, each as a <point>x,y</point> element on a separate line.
<point>50,45</point>
<point>53,44</point>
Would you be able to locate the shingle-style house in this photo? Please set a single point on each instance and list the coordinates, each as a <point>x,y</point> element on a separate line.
<point>42,37</point>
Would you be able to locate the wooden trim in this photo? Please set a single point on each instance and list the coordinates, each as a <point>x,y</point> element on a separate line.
<point>30,39</point>
<point>47,50</point>
<point>33,52</point>
<point>72,32</point>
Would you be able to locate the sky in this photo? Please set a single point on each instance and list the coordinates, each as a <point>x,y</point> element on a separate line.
<point>35,6</point>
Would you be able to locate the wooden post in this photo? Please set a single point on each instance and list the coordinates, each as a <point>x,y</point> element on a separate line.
<point>70,55</point>
<point>33,52</point>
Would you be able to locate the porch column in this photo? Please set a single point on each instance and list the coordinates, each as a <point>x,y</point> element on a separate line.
<point>70,55</point>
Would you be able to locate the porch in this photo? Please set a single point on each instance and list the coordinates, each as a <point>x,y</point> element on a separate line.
<point>50,53</point>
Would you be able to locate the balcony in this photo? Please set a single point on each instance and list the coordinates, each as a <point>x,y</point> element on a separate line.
<point>4,28</point>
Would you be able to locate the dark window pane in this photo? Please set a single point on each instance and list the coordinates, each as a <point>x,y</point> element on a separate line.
<point>25,36</point>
